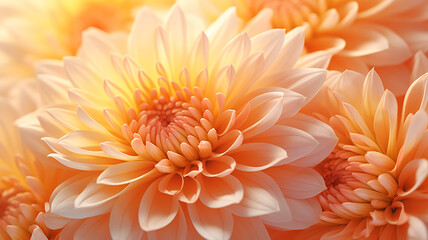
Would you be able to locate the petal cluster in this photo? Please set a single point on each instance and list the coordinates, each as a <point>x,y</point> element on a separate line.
<point>362,34</point>
<point>190,132</point>
<point>377,175</point>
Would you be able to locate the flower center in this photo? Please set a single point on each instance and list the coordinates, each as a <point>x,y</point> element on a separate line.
<point>334,172</point>
<point>13,195</point>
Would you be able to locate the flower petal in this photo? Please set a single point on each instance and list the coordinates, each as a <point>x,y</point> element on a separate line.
<point>157,209</point>
<point>123,224</point>
<point>295,142</point>
<point>413,175</point>
<point>96,194</point>
<point>297,182</point>
<point>218,167</point>
<point>127,172</point>
<point>177,228</point>
<point>216,224</point>
<point>257,156</point>
<point>220,192</point>
<point>265,112</point>
<point>261,195</point>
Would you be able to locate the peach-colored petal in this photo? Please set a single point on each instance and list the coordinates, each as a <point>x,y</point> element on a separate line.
<point>249,158</point>
<point>178,227</point>
<point>220,192</point>
<point>265,111</point>
<point>126,172</point>
<point>412,176</point>
<point>261,196</point>
<point>211,223</point>
<point>248,228</point>
<point>65,195</point>
<point>219,167</point>
<point>96,194</point>
<point>322,134</point>
<point>156,216</point>
<point>295,142</point>
<point>298,182</point>
<point>123,214</point>
<point>93,228</point>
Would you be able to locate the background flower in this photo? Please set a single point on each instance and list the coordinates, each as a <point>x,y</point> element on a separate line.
<point>193,133</point>
<point>25,183</point>
<point>362,34</point>
<point>32,30</point>
<point>377,175</point>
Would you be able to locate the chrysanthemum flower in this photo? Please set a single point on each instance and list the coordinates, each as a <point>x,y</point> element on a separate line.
<point>377,175</point>
<point>50,29</point>
<point>183,132</point>
<point>25,184</point>
<point>363,33</point>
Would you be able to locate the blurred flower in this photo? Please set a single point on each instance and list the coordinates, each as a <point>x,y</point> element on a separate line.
<point>25,184</point>
<point>361,33</point>
<point>32,30</point>
<point>184,132</point>
<point>377,175</point>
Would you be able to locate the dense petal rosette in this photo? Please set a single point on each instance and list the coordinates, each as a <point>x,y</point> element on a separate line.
<point>376,177</point>
<point>187,129</point>
<point>25,183</point>
<point>51,29</point>
<point>361,33</point>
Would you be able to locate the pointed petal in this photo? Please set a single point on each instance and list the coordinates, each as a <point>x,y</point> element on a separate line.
<point>252,157</point>
<point>216,224</point>
<point>261,195</point>
<point>297,182</point>
<point>127,172</point>
<point>220,192</point>
<point>157,209</point>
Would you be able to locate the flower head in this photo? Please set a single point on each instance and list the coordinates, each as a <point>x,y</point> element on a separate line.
<point>51,29</point>
<point>376,177</point>
<point>190,132</point>
<point>25,184</point>
<point>361,34</point>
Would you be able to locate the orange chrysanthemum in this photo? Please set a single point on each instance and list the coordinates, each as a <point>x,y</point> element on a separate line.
<point>377,175</point>
<point>51,29</point>
<point>361,33</point>
<point>190,133</point>
<point>25,184</point>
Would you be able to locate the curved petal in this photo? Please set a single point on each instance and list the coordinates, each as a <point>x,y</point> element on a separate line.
<point>127,172</point>
<point>304,213</point>
<point>362,40</point>
<point>249,228</point>
<point>257,156</point>
<point>94,228</point>
<point>297,182</point>
<point>295,142</point>
<point>141,40</point>
<point>265,111</point>
<point>123,216</point>
<point>322,132</point>
<point>228,142</point>
<point>177,228</point>
<point>261,195</point>
<point>413,175</point>
<point>96,194</point>
<point>62,201</point>
<point>220,192</point>
<point>157,209</point>
<point>218,167</point>
<point>216,224</point>
<point>191,190</point>
<point>290,51</point>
